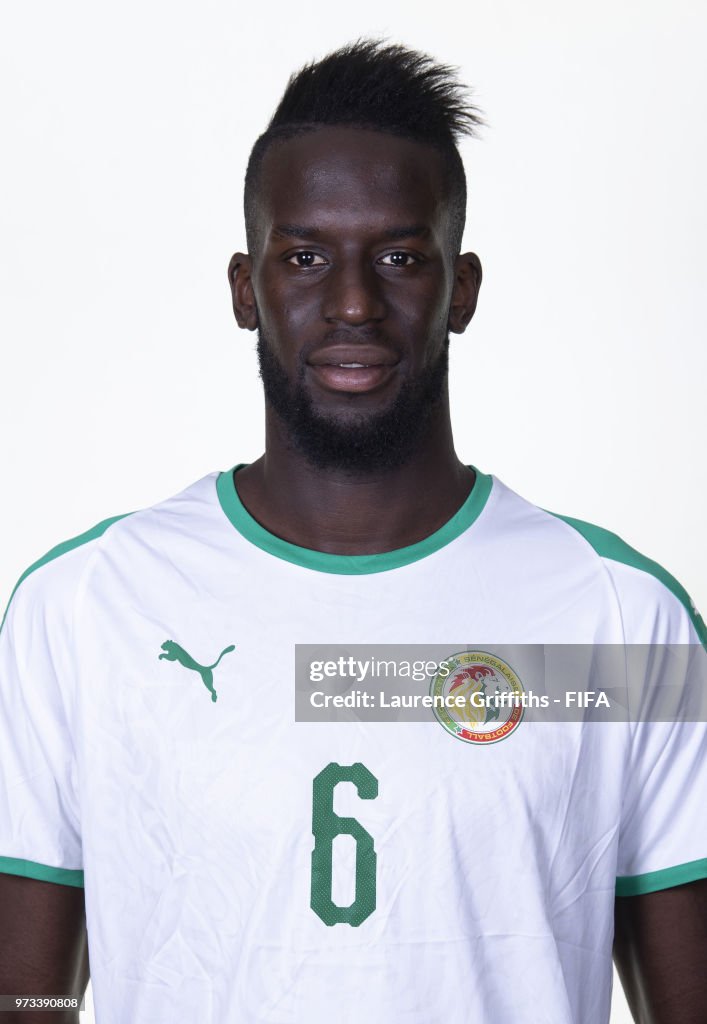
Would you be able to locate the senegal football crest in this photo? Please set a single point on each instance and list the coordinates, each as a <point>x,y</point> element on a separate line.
<point>490,697</point>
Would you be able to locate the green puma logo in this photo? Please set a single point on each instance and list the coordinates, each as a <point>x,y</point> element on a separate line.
<point>173,652</point>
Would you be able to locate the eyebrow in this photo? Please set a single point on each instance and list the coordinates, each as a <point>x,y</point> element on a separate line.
<point>302,231</point>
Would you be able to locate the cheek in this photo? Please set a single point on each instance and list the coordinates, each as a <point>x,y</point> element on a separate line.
<point>284,312</point>
<point>425,321</point>
<point>439,316</point>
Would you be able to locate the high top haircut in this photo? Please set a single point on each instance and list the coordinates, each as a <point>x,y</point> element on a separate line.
<point>386,88</point>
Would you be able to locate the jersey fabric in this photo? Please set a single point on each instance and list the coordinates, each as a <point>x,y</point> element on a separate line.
<point>149,752</point>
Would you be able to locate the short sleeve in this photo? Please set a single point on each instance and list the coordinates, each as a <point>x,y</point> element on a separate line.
<point>663,829</point>
<point>663,834</point>
<point>40,834</point>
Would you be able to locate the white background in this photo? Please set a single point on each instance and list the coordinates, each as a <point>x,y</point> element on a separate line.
<point>125,132</point>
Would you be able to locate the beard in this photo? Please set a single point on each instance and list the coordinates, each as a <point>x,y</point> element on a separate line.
<point>365,442</point>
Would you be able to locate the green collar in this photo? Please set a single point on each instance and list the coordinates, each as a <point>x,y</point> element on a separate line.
<point>349,565</point>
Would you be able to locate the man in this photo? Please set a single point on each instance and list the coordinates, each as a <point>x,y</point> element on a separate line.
<point>242,866</point>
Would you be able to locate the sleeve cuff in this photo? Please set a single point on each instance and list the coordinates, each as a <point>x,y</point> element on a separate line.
<point>652,881</point>
<point>43,872</point>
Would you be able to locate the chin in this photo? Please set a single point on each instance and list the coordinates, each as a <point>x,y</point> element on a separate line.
<point>364,431</point>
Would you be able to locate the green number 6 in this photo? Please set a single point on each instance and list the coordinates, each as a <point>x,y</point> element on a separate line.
<point>326,825</point>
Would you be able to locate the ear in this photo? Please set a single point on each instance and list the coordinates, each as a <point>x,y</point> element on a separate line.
<point>240,279</point>
<point>467,281</point>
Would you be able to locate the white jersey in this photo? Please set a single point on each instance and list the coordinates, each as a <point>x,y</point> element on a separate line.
<point>242,867</point>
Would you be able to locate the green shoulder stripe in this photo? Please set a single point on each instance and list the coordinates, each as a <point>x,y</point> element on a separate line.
<point>42,872</point>
<point>608,545</point>
<point>61,549</point>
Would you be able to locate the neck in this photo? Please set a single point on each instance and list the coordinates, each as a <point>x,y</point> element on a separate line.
<point>341,512</point>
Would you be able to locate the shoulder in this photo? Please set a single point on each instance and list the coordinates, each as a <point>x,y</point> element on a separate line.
<point>54,578</point>
<point>652,603</point>
<point>655,605</point>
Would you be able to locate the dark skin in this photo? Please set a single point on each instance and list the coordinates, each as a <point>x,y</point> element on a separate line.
<point>660,942</point>
<point>357,189</point>
<point>351,189</point>
<point>43,946</point>
<point>323,182</point>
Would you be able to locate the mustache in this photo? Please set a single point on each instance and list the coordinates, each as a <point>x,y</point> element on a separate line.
<point>370,335</point>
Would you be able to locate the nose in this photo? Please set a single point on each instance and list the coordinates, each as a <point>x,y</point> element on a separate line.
<point>353,294</point>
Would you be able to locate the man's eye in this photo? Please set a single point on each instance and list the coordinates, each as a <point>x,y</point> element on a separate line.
<point>307,259</point>
<point>397,259</point>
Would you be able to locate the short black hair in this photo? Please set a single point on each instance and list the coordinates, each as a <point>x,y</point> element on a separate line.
<point>381,87</point>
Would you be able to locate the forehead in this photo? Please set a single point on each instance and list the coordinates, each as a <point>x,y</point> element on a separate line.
<point>355,177</point>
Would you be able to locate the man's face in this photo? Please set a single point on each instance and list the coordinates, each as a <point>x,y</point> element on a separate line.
<point>352,281</point>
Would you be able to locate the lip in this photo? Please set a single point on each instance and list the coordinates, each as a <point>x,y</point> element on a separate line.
<point>368,355</point>
<point>377,366</point>
<point>353,379</point>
